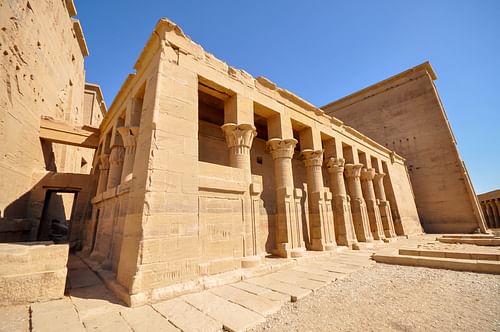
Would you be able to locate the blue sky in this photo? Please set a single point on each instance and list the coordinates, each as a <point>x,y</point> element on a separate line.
<point>324,50</point>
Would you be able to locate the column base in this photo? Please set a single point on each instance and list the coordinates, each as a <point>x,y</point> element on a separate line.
<point>318,245</point>
<point>363,245</point>
<point>250,261</point>
<point>284,251</point>
<point>390,239</point>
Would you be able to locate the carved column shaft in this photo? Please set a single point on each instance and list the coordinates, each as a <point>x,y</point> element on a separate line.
<point>384,206</point>
<point>239,139</point>
<point>129,137</point>
<point>367,175</point>
<point>495,214</point>
<point>344,227</point>
<point>103,173</point>
<point>322,235</point>
<point>115,166</point>
<point>358,205</point>
<point>497,205</point>
<point>289,239</point>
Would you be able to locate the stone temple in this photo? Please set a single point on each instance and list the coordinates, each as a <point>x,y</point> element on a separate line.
<point>199,169</point>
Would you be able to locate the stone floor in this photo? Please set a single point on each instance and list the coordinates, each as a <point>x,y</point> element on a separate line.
<point>89,305</point>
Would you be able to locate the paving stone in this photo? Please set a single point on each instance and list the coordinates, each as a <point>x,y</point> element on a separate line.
<point>313,276</point>
<point>110,321</point>
<point>295,292</point>
<point>94,301</point>
<point>335,267</point>
<point>318,271</point>
<point>256,303</point>
<point>145,318</point>
<point>261,291</point>
<point>14,318</point>
<point>294,278</point>
<point>233,317</point>
<point>186,317</point>
<point>59,315</point>
<point>82,278</point>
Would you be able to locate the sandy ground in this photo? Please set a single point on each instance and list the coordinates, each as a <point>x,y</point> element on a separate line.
<point>396,298</point>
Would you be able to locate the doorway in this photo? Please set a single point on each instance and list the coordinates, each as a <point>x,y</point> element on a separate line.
<point>57,215</point>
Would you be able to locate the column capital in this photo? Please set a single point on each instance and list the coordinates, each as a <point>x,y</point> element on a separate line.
<point>281,148</point>
<point>104,162</point>
<point>353,170</point>
<point>367,174</point>
<point>379,176</point>
<point>241,135</point>
<point>335,165</point>
<point>312,157</point>
<point>128,135</point>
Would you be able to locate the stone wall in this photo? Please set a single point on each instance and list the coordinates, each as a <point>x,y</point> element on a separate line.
<point>32,272</point>
<point>405,114</point>
<point>42,72</point>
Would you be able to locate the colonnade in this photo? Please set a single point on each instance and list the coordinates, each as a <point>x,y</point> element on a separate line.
<point>491,210</point>
<point>351,210</point>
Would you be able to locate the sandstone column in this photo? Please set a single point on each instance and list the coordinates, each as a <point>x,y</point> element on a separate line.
<point>485,214</point>
<point>384,206</point>
<point>289,240</point>
<point>358,205</point>
<point>489,215</point>
<point>129,136</point>
<point>322,235</point>
<point>495,214</point>
<point>344,226</point>
<point>115,165</point>
<point>497,203</point>
<point>239,140</point>
<point>103,173</point>
<point>367,175</point>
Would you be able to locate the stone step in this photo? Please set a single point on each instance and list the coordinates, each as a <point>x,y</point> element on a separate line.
<point>259,304</point>
<point>295,292</point>
<point>479,266</point>
<point>450,254</point>
<point>186,317</point>
<point>478,242</point>
<point>469,236</point>
<point>232,316</point>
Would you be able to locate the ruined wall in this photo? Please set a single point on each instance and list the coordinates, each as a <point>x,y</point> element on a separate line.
<point>405,114</point>
<point>32,272</point>
<point>42,74</point>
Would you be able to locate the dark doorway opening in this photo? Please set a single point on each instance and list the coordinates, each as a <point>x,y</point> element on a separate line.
<point>57,215</point>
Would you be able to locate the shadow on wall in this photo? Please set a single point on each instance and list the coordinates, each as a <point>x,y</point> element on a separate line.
<point>56,208</point>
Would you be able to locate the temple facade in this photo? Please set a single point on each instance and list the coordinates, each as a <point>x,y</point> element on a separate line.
<point>203,169</point>
<point>199,172</point>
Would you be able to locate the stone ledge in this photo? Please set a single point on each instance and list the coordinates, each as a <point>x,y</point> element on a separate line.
<point>478,266</point>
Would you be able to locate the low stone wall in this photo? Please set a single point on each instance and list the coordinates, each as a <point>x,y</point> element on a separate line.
<point>32,272</point>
